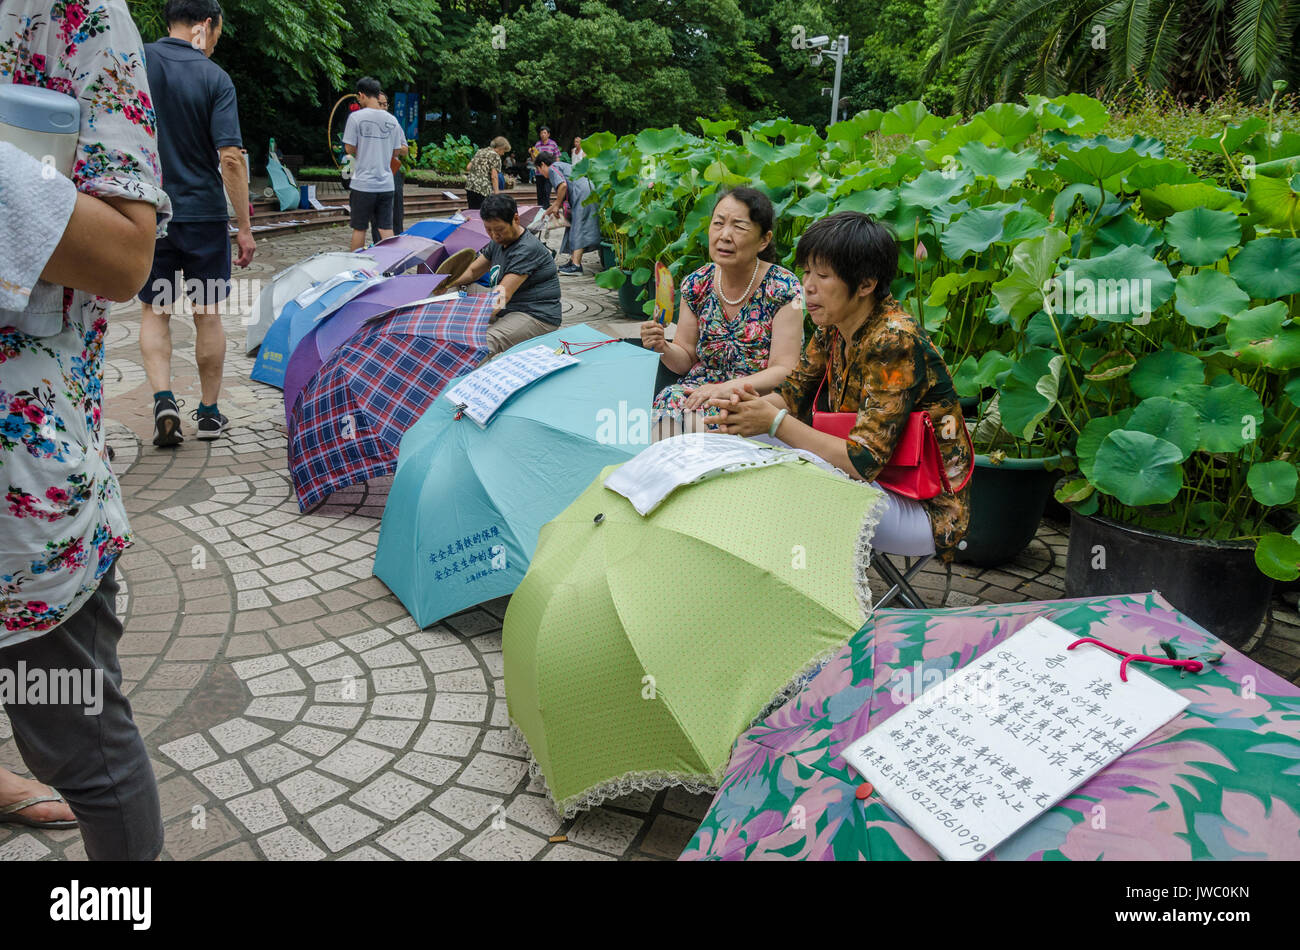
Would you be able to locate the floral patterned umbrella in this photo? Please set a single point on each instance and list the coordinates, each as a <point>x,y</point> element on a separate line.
<point>1217,782</point>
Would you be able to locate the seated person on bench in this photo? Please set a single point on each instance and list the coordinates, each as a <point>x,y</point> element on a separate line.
<point>739,321</point>
<point>882,366</point>
<point>529,301</point>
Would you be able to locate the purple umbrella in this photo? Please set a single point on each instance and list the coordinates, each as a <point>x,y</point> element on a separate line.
<point>469,235</point>
<point>404,251</point>
<point>350,418</point>
<point>336,327</point>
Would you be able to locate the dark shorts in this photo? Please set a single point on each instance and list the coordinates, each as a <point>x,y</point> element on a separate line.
<point>367,205</point>
<point>192,260</point>
<point>474,199</point>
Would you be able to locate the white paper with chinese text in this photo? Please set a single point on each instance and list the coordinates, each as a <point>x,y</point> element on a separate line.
<point>484,391</point>
<point>978,756</point>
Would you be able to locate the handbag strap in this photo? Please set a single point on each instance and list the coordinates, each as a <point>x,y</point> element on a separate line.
<point>826,375</point>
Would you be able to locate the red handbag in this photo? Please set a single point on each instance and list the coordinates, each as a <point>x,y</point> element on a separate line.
<point>916,469</point>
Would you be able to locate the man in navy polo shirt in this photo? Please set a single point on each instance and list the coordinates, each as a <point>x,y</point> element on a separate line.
<point>199,149</point>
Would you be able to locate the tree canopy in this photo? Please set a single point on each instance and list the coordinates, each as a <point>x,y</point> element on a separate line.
<point>489,67</point>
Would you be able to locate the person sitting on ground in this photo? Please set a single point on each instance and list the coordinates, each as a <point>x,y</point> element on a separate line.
<point>876,361</point>
<point>482,174</point>
<point>739,323</point>
<point>529,289</point>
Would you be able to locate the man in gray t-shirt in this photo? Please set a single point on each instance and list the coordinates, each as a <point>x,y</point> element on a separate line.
<point>528,293</point>
<point>375,140</point>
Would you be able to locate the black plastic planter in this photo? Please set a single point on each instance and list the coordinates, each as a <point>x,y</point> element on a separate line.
<point>1216,583</point>
<point>607,259</point>
<point>1006,506</point>
<point>627,297</point>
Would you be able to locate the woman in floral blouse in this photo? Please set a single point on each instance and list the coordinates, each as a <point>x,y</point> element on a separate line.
<point>74,242</point>
<point>882,366</point>
<point>482,171</point>
<point>739,323</point>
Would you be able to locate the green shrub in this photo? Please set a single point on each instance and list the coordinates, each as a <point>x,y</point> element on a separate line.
<point>1106,299</point>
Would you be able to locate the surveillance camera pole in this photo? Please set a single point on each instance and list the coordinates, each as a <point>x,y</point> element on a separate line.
<point>841,49</point>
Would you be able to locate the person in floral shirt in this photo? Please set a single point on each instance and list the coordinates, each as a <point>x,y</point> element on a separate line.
<point>874,360</point>
<point>721,343</point>
<point>63,524</point>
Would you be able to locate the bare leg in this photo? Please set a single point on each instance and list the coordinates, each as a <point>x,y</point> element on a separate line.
<point>575,257</point>
<point>385,235</point>
<point>358,239</point>
<point>209,352</point>
<point>156,347</point>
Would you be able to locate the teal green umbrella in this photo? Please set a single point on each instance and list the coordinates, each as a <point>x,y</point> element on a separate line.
<point>467,502</point>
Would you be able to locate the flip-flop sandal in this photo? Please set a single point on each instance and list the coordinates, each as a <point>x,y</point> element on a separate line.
<point>9,814</point>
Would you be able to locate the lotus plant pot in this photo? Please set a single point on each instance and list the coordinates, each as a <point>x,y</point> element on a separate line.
<point>1216,583</point>
<point>1006,505</point>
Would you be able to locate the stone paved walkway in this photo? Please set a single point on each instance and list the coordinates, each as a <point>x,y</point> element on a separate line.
<point>292,707</point>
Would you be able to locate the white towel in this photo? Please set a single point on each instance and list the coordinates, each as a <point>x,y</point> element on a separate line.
<point>35,207</point>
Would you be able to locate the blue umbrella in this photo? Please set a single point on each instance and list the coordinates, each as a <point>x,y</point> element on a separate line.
<point>296,320</point>
<point>435,229</point>
<point>467,502</point>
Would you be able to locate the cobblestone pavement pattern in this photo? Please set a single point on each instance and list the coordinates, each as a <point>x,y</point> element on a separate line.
<point>292,708</point>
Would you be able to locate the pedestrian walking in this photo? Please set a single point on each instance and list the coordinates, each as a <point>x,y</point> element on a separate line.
<point>198,118</point>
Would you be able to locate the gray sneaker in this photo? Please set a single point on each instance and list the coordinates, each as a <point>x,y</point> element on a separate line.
<point>209,426</point>
<point>569,269</point>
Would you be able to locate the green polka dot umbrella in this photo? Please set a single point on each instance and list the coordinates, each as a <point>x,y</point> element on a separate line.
<point>637,649</point>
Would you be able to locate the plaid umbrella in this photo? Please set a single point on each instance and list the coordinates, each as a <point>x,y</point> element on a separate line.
<point>331,331</point>
<point>349,419</point>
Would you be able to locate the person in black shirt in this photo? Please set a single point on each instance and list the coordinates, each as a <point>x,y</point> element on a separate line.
<point>198,118</point>
<point>528,302</point>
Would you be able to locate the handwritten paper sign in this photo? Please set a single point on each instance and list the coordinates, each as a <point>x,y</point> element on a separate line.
<point>655,472</point>
<point>980,755</point>
<point>484,391</point>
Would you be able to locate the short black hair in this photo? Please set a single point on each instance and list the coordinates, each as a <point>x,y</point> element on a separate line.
<point>369,86</point>
<point>498,207</point>
<point>855,246</point>
<point>545,128</point>
<point>761,213</point>
<point>545,158</point>
<point>189,12</point>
